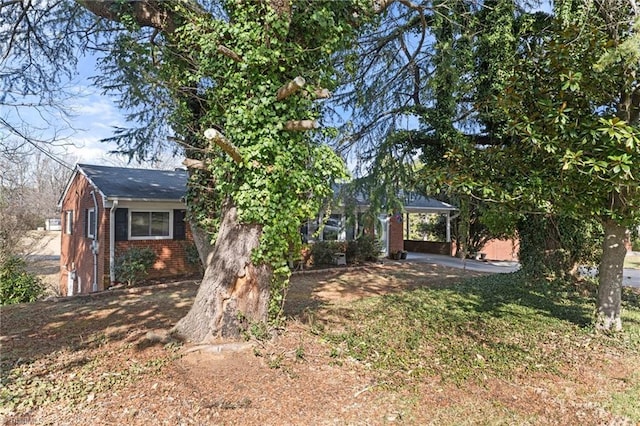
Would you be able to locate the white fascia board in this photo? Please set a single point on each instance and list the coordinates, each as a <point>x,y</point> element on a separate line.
<point>142,204</point>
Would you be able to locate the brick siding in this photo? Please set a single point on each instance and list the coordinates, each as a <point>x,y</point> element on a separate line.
<point>76,252</point>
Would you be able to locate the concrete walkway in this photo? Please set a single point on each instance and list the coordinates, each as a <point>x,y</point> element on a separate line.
<point>631,276</point>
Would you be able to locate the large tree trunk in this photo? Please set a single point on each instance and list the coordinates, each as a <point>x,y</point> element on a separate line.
<point>610,277</point>
<point>234,292</point>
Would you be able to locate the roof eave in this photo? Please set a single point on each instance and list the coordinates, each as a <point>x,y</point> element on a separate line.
<point>145,200</point>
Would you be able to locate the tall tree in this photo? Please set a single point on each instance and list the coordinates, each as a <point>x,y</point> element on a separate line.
<point>574,108</point>
<point>543,119</point>
<point>569,144</point>
<point>30,185</point>
<point>235,84</point>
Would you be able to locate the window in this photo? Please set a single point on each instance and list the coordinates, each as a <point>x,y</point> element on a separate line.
<point>332,228</point>
<point>150,225</point>
<point>68,222</point>
<point>91,223</point>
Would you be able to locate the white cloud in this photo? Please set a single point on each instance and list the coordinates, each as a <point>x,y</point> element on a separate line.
<point>83,149</point>
<point>95,106</point>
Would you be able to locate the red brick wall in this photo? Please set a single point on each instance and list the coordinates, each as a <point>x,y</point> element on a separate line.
<point>396,239</point>
<point>171,256</point>
<point>428,247</point>
<point>75,250</point>
<point>499,250</point>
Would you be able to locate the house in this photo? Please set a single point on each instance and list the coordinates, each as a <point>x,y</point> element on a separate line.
<point>394,229</point>
<point>107,210</point>
<point>389,228</point>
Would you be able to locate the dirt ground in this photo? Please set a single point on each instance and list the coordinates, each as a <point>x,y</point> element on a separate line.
<point>101,360</point>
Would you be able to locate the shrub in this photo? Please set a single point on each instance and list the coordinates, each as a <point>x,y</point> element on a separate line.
<point>369,248</point>
<point>134,264</point>
<point>635,238</point>
<point>192,256</point>
<point>322,251</point>
<point>16,284</point>
<point>365,249</point>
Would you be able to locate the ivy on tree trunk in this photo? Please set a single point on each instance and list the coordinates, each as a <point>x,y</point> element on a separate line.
<point>257,168</point>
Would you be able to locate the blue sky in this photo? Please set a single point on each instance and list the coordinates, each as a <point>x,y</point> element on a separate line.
<point>88,117</point>
<point>92,117</point>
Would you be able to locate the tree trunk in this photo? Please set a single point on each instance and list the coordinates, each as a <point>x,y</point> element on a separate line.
<point>201,240</point>
<point>610,277</point>
<point>234,292</point>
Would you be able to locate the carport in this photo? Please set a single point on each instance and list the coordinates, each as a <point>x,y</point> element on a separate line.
<point>425,205</point>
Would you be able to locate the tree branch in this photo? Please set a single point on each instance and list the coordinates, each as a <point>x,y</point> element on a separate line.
<point>301,125</point>
<point>218,138</point>
<point>157,14</point>
<point>322,93</point>
<point>380,6</point>
<point>190,163</point>
<point>229,53</point>
<point>290,88</point>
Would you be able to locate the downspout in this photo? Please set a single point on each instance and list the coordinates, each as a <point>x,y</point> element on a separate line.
<point>112,242</point>
<point>95,245</point>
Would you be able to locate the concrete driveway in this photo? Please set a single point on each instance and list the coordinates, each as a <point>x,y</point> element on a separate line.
<point>631,276</point>
<point>493,267</point>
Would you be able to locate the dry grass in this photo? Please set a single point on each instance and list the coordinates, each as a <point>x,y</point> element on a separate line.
<point>95,360</point>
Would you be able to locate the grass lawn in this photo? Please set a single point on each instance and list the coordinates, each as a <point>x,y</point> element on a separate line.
<point>408,344</point>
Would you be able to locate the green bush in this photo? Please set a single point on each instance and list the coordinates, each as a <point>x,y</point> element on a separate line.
<point>550,246</point>
<point>635,238</point>
<point>16,284</point>
<point>364,249</point>
<point>322,251</point>
<point>191,255</point>
<point>134,264</point>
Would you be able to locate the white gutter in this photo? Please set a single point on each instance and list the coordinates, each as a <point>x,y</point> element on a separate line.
<point>112,242</point>
<point>95,244</point>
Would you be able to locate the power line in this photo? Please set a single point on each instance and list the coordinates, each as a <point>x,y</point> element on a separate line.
<point>35,144</point>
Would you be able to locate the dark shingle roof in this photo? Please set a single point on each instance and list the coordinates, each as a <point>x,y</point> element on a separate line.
<point>143,184</point>
<point>413,203</point>
<point>418,202</point>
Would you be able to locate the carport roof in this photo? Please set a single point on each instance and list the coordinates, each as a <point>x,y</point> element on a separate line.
<point>413,203</point>
<point>419,204</point>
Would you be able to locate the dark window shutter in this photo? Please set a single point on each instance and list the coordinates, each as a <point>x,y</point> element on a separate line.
<point>179,225</point>
<point>122,225</point>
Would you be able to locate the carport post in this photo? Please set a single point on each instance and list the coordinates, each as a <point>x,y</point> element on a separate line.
<point>406,225</point>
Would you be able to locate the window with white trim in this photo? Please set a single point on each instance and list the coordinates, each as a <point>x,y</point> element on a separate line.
<point>150,225</point>
<point>91,223</point>
<point>68,222</point>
